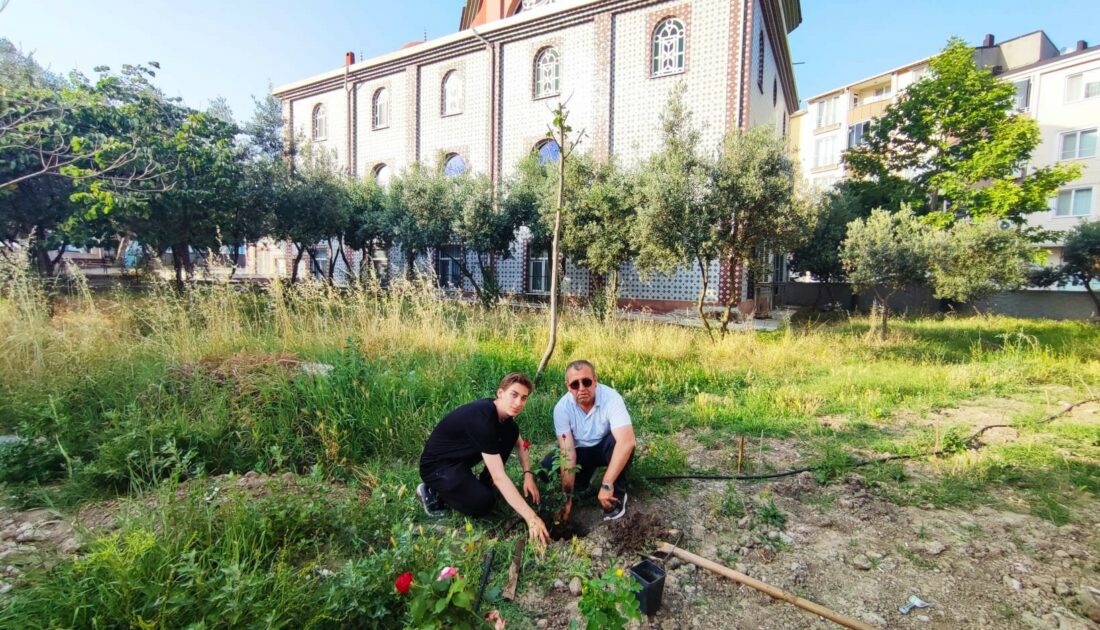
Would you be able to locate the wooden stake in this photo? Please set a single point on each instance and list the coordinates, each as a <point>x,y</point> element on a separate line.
<point>513,572</point>
<point>764,587</point>
<point>740,452</point>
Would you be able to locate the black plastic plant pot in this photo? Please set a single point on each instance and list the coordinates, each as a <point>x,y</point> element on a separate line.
<point>652,579</point>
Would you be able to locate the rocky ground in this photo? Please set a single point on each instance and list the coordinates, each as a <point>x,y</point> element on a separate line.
<point>847,547</point>
<point>844,546</point>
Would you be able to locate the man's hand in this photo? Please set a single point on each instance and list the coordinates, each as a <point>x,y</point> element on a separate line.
<point>530,488</point>
<point>566,510</point>
<point>536,532</point>
<point>607,498</point>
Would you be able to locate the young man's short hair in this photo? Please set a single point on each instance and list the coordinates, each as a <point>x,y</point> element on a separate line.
<point>517,377</point>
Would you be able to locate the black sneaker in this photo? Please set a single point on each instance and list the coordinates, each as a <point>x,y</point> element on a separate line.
<point>618,509</point>
<point>433,507</point>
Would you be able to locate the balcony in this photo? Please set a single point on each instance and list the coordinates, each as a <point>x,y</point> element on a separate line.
<point>868,111</point>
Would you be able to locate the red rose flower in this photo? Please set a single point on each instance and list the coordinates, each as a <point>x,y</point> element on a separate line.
<point>526,445</point>
<point>403,582</point>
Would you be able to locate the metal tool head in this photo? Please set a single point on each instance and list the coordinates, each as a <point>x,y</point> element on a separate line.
<point>911,603</point>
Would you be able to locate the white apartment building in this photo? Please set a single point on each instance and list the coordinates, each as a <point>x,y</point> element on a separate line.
<point>481,99</point>
<point>1059,89</point>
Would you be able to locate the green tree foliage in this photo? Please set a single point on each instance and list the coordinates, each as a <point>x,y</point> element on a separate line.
<point>676,224</point>
<point>819,255</point>
<point>484,227</point>
<point>425,211</point>
<point>372,221</point>
<point>596,231</point>
<point>528,194</point>
<point>265,129</point>
<point>951,146</point>
<point>312,205</point>
<point>1080,263</point>
<point>754,197</point>
<point>976,259</point>
<point>888,252</point>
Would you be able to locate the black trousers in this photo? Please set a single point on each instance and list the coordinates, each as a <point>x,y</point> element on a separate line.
<point>589,458</point>
<point>457,486</point>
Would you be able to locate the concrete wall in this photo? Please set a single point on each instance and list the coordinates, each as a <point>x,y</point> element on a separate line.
<point>1029,304</point>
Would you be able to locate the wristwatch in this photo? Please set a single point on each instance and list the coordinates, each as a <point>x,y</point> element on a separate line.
<point>606,486</point>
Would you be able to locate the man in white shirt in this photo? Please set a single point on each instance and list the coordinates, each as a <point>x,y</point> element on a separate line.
<point>594,431</point>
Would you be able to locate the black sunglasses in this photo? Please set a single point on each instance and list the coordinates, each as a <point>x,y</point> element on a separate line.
<point>587,382</point>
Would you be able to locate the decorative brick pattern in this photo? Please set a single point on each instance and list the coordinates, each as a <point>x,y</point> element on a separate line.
<point>640,99</point>
<point>336,140</point>
<point>526,120</point>
<point>442,134</point>
<point>386,145</point>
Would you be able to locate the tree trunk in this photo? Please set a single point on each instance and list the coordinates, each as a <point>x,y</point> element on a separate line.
<point>731,301</point>
<point>410,261</point>
<point>1095,299</point>
<point>705,273</point>
<point>297,261</point>
<point>612,291</point>
<point>177,265</point>
<point>553,341</point>
<point>469,275</point>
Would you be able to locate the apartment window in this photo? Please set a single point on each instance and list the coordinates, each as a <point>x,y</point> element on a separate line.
<point>760,63</point>
<point>1082,85</point>
<point>878,94</point>
<point>538,271</point>
<point>380,109</point>
<point>451,101</point>
<point>669,44</point>
<point>857,134</point>
<point>382,174</point>
<point>548,152</point>
<point>447,270</point>
<point>1023,95</point>
<point>1078,144</point>
<point>454,165</point>
<point>1074,203</point>
<point>826,111</point>
<point>319,130</point>
<point>825,152</point>
<point>547,73</point>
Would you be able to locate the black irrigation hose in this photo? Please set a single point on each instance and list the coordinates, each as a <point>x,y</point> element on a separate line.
<point>971,445</point>
<point>486,567</point>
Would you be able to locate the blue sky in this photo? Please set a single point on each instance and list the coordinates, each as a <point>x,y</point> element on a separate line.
<point>234,48</point>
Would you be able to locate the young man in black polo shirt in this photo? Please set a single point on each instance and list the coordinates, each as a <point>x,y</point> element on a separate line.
<point>484,430</point>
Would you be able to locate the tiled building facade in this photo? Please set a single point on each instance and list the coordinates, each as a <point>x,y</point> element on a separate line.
<point>483,97</point>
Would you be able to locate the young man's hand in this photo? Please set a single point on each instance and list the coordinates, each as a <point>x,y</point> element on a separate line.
<point>536,532</point>
<point>530,488</point>
<point>566,510</point>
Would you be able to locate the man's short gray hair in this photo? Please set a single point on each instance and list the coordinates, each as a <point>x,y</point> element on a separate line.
<point>578,364</point>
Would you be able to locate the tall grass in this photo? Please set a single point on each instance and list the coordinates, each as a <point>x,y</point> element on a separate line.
<point>123,389</point>
<point>134,393</point>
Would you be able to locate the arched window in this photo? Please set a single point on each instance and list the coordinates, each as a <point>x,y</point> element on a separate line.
<point>669,43</point>
<point>380,109</point>
<point>320,129</point>
<point>382,174</point>
<point>454,166</point>
<point>451,101</point>
<point>547,73</point>
<point>548,151</point>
